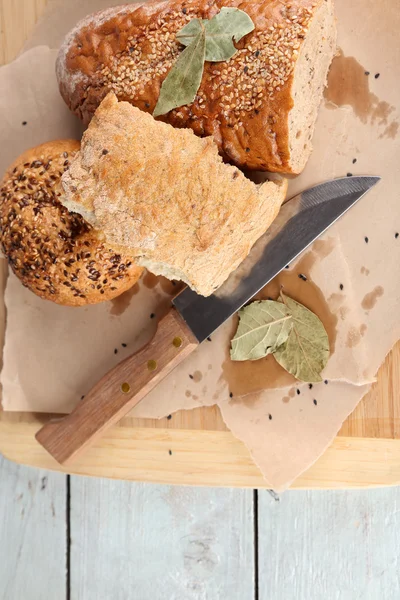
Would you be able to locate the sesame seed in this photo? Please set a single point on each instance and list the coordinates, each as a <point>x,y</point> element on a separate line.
<point>239,85</point>
<point>33,248</point>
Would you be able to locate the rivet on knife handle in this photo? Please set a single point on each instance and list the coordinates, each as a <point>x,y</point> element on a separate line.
<point>119,391</point>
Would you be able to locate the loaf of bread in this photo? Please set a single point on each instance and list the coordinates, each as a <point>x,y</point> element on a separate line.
<point>53,252</point>
<point>167,196</point>
<point>260,106</point>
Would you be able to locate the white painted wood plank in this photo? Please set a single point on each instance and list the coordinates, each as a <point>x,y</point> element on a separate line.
<point>330,545</point>
<point>142,542</point>
<point>32,533</point>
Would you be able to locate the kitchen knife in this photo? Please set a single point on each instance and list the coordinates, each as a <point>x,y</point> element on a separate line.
<point>193,318</point>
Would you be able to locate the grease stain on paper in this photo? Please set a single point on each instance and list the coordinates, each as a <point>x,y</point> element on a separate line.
<point>250,377</point>
<point>197,376</point>
<point>371,299</point>
<point>120,304</point>
<point>348,85</point>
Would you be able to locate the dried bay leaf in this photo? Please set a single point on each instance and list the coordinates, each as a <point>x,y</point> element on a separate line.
<point>306,351</point>
<point>183,81</point>
<point>230,24</point>
<point>188,33</point>
<point>263,327</point>
<point>204,40</point>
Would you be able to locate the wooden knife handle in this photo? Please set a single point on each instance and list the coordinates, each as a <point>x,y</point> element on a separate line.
<point>119,391</point>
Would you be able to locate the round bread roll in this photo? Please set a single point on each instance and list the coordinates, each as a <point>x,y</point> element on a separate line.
<point>54,252</point>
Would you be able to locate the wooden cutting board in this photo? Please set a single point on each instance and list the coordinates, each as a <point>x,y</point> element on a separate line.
<point>194,447</point>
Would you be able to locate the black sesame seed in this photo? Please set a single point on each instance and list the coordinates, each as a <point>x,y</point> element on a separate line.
<point>247,150</point>
<point>366,73</point>
<point>349,174</point>
<point>396,235</point>
<point>270,417</point>
<point>115,351</point>
<point>315,402</point>
<point>257,111</point>
<point>246,69</point>
<point>147,105</point>
<point>377,75</point>
<point>366,240</point>
<point>230,395</point>
<point>354,161</point>
<point>287,267</point>
<point>169,417</point>
<point>184,10</point>
<point>257,54</point>
<point>209,339</point>
<point>326,382</point>
<point>310,386</point>
<point>190,376</point>
<point>303,277</point>
<point>152,316</point>
<point>170,452</point>
<point>104,152</point>
<point>298,392</point>
<point>82,397</point>
<point>24,123</point>
<point>341,286</point>
<point>124,345</point>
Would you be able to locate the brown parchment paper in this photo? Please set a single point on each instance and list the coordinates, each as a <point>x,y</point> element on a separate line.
<point>53,355</point>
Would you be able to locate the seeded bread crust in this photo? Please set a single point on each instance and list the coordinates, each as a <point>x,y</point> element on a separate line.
<point>167,196</point>
<point>54,252</point>
<point>243,103</point>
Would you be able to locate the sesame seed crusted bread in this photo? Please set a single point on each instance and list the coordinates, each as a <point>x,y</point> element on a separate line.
<point>260,106</point>
<point>167,196</point>
<point>53,252</point>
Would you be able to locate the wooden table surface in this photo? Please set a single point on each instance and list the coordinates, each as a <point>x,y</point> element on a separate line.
<point>76,538</point>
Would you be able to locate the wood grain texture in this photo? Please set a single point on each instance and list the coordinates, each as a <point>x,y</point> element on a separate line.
<point>119,391</point>
<point>32,534</point>
<point>329,545</point>
<point>204,458</point>
<point>17,18</point>
<point>134,541</point>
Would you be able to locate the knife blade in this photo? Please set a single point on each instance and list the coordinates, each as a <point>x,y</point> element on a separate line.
<point>193,318</point>
<point>301,221</point>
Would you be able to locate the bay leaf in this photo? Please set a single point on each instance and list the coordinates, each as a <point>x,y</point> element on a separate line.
<point>183,81</point>
<point>263,327</point>
<point>306,351</point>
<point>188,33</point>
<point>230,24</point>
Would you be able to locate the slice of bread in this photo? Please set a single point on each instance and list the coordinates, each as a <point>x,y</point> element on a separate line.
<point>167,196</point>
